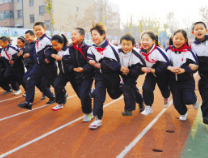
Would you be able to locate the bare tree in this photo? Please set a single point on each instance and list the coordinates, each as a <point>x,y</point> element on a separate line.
<point>171,21</point>
<point>203,11</point>
<point>188,24</point>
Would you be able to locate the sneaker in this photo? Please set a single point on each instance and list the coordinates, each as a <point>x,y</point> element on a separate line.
<point>97,123</point>
<point>8,92</point>
<point>183,117</point>
<point>58,107</point>
<point>87,117</point>
<point>141,107</point>
<point>148,110</point>
<point>24,95</point>
<point>18,92</point>
<point>127,113</point>
<point>205,120</point>
<point>166,102</point>
<point>26,105</point>
<point>51,100</point>
<point>65,99</point>
<point>43,96</point>
<point>92,93</point>
<point>196,105</point>
<point>121,83</point>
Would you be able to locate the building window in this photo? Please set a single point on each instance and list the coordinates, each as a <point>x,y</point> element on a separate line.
<point>1,16</point>
<point>8,1</point>
<point>41,10</point>
<point>47,24</point>
<point>32,18</point>
<point>77,8</point>
<point>8,14</point>
<point>19,14</point>
<point>19,0</point>
<point>31,3</point>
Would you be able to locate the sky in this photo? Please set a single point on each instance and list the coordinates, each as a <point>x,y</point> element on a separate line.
<point>182,9</point>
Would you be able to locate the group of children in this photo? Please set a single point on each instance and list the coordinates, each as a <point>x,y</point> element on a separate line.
<point>115,69</point>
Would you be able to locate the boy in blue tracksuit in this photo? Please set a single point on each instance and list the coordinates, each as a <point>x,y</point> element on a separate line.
<point>200,47</point>
<point>44,66</point>
<point>132,64</point>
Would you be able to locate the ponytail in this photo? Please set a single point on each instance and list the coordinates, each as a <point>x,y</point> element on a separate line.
<point>60,39</point>
<point>22,39</point>
<point>170,41</point>
<point>65,40</point>
<point>152,35</point>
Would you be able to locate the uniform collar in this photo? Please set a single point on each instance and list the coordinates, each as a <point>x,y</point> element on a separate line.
<point>198,42</point>
<point>64,48</point>
<point>7,48</point>
<point>102,44</point>
<point>41,37</point>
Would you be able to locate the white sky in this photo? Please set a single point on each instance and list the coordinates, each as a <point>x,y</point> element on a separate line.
<point>160,8</point>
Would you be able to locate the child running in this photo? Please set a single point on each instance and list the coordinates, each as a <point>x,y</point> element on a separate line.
<point>183,65</point>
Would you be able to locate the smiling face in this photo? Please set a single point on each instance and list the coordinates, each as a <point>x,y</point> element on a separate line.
<point>4,44</point>
<point>29,38</point>
<point>97,38</point>
<point>179,40</point>
<point>126,46</point>
<point>20,43</point>
<point>147,42</point>
<point>57,46</point>
<point>39,31</point>
<point>199,32</point>
<point>76,37</point>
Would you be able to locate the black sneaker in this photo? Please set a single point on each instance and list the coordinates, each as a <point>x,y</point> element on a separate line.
<point>8,92</point>
<point>51,100</point>
<point>43,97</point>
<point>92,93</point>
<point>65,99</point>
<point>205,120</point>
<point>26,105</point>
<point>141,107</point>
<point>127,113</point>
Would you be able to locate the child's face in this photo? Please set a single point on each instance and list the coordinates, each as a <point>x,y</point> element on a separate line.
<point>178,40</point>
<point>29,37</point>
<point>4,44</point>
<point>147,42</point>
<point>76,37</point>
<point>96,37</point>
<point>20,43</point>
<point>57,46</point>
<point>39,31</point>
<point>126,46</point>
<point>199,32</point>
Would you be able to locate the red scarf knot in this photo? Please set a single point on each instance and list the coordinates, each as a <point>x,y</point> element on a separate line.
<point>147,55</point>
<point>184,48</point>
<point>80,50</point>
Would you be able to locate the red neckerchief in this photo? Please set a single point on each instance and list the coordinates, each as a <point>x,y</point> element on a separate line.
<point>147,55</point>
<point>7,56</point>
<point>79,49</point>
<point>185,48</point>
<point>37,41</point>
<point>100,50</point>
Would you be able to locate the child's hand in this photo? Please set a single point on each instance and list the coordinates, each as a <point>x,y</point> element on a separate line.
<point>58,57</point>
<point>11,62</point>
<point>152,70</point>
<point>80,69</point>
<point>26,55</point>
<point>20,53</point>
<point>92,62</point>
<point>47,61</point>
<point>175,70</point>
<point>126,72</point>
<point>97,65</point>
<point>75,69</point>
<point>193,67</point>
<point>122,69</point>
<point>181,71</point>
<point>53,56</point>
<point>146,69</point>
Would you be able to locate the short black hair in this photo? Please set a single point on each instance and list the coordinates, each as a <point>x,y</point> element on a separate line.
<point>4,39</point>
<point>199,22</point>
<point>31,32</point>
<point>128,37</point>
<point>99,27</point>
<point>81,30</point>
<point>39,23</point>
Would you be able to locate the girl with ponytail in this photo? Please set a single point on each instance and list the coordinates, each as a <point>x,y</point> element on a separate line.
<point>156,68</point>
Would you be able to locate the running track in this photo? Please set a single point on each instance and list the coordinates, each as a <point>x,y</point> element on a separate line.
<point>45,133</point>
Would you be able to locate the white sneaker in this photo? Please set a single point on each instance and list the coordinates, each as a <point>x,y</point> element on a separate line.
<point>166,102</point>
<point>58,107</point>
<point>87,117</point>
<point>183,117</point>
<point>196,105</point>
<point>148,110</point>
<point>18,92</point>
<point>24,95</point>
<point>95,124</point>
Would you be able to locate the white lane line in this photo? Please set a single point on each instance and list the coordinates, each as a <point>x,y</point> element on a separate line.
<point>30,110</point>
<point>22,96</point>
<point>49,133</point>
<point>136,140</point>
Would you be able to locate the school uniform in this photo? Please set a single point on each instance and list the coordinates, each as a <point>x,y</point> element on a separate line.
<point>14,72</point>
<point>182,85</point>
<point>73,57</point>
<point>201,50</point>
<point>107,77</point>
<point>43,50</point>
<point>157,60</point>
<point>134,62</point>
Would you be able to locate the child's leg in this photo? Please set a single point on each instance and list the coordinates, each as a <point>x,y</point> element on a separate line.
<point>29,68</point>
<point>203,89</point>
<point>86,101</point>
<point>59,87</point>
<point>163,84</point>
<point>100,94</point>
<point>189,96</point>
<point>3,82</point>
<point>178,97</point>
<point>139,97</point>
<point>19,74</point>
<point>43,86</point>
<point>148,88</point>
